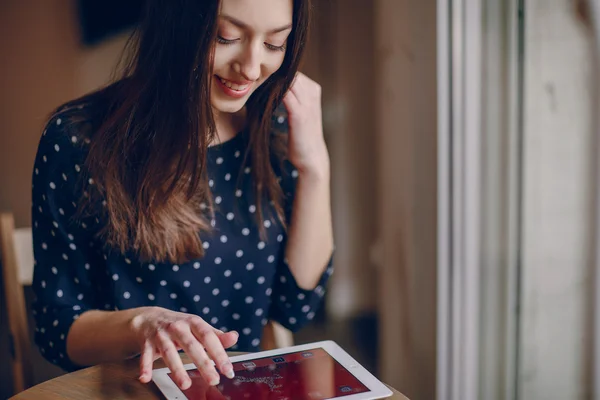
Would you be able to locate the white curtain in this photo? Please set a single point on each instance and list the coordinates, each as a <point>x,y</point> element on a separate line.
<point>479,104</point>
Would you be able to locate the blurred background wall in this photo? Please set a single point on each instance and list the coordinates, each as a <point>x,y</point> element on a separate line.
<point>44,64</point>
<point>39,62</point>
<point>559,183</point>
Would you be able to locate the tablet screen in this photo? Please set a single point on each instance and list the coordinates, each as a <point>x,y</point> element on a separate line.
<point>310,374</point>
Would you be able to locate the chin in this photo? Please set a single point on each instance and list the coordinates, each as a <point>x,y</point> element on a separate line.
<point>228,107</point>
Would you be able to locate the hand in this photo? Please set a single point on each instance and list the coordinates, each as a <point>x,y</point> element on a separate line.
<point>162,333</point>
<point>307,149</point>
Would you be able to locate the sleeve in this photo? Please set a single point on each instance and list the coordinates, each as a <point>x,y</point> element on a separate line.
<point>292,306</point>
<point>65,259</point>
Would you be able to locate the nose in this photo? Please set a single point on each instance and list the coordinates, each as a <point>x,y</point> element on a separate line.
<point>249,63</point>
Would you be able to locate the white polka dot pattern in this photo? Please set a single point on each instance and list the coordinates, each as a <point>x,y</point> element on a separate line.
<point>240,284</point>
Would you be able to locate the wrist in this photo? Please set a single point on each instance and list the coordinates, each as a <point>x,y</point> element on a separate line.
<point>316,169</point>
<point>137,318</point>
<point>135,323</point>
<point>314,177</point>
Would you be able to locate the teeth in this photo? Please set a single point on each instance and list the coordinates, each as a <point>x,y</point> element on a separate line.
<point>233,86</point>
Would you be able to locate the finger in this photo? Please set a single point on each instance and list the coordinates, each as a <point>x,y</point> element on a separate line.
<point>296,87</point>
<point>229,339</point>
<point>146,362</point>
<point>195,349</point>
<point>173,360</point>
<point>156,354</point>
<point>306,90</point>
<point>295,80</point>
<point>213,346</point>
<point>301,83</point>
<point>300,79</point>
<point>290,101</point>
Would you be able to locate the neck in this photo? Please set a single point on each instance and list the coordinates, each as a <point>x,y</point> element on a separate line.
<point>229,124</point>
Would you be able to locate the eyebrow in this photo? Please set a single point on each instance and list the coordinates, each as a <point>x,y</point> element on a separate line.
<point>242,25</point>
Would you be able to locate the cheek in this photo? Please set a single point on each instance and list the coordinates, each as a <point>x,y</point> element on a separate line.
<point>271,65</point>
<point>223,57</point>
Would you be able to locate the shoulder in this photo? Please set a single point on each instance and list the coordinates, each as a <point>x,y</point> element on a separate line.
<point>69,129</point>
<point>61,140</point>
<point>59,161</point>
<point>61,183</point>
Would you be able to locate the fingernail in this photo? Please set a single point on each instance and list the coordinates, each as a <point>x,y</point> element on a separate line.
<point>186,384</point>
<point>237,334</point>
<point>214,381</point>
<point>228,370</point>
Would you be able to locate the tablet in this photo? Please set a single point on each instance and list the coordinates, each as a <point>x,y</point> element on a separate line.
<point>320,370</point>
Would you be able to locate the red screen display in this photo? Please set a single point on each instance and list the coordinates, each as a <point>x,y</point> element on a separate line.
<point>305,375</point>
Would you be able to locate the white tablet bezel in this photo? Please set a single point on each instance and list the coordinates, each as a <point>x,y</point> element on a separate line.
<point>377,389</point>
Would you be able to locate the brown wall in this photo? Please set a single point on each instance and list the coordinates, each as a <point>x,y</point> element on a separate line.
<point>407,154</point>
<point>43,65</point>
<point>344,41</point>
<point>38,43</point>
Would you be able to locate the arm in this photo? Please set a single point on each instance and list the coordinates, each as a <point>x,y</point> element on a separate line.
<point>310,233</point>
<point>67,270</point>
<point>71,330</point>
<point>306,265</point>
<point>110,332</point>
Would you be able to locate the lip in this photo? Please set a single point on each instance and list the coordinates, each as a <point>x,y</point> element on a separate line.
<point>231,92</point>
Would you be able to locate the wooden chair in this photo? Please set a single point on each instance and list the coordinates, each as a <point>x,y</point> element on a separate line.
<point>16,253</point>
<point>16,256</point>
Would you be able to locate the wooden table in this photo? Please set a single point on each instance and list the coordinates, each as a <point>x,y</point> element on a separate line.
<point>108,381</point>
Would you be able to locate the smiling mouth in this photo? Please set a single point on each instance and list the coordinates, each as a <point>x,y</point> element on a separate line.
<point>232,85</point>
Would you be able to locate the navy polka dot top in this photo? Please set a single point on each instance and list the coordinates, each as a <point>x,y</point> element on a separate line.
<point>240,283</point>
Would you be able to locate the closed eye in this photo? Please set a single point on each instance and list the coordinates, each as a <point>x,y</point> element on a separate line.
<point>222,40</point>
<point>275,48</point>
<point>272,47</point>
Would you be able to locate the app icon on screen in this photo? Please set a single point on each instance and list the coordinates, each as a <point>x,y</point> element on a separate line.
<point>345,389</point>
<point>307,354</point>
<point>279,359</point>
<point>249,365</point>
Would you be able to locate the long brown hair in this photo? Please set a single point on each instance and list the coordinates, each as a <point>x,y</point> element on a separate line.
<point>148,157</point>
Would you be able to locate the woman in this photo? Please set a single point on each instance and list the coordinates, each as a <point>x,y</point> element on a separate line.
<point>170,210</point>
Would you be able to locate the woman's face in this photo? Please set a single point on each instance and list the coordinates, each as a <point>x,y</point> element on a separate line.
<point>251,43</point>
